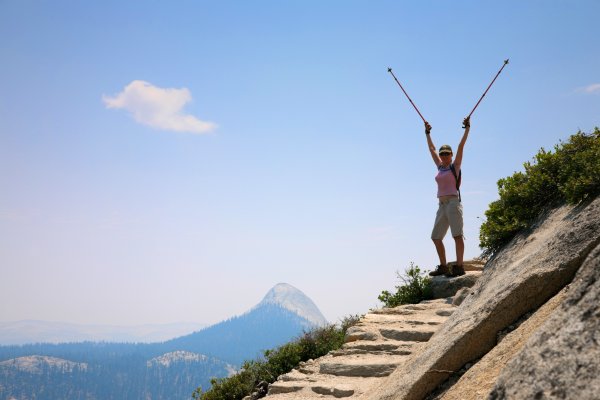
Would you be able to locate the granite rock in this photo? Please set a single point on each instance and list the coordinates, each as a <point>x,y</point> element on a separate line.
<point>562,360</point>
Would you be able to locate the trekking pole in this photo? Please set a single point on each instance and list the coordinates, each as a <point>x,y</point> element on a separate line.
<point>407,96</point>
<point>486,90</point>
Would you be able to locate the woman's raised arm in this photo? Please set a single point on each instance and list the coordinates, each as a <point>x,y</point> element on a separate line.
<point>461,145</point>
<point>432,149</point>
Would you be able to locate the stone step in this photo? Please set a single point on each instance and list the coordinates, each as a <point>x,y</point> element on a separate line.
<point>322,386</point>
<point>437,321</point>
<point>413,335</point>
<point>361,366</point>
<point>412,309</point>
<point>295,376</point>
<point>431,317</point>
<point>337,391</point>
<point>444,313</point>
<point>417,307</point>
<point>358,352</point>
<point>437,303</point>
<point>280,387</point>
<point>442,286</point>
<point>392,311</point>
<point>381,345</point>
<point>358,332</point>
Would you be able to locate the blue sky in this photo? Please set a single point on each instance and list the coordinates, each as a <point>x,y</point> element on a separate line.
<point>172,161</point>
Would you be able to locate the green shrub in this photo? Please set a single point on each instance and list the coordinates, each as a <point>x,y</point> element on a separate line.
<point>416,288</point>
<point>569,174</point>
<point>310,345</point>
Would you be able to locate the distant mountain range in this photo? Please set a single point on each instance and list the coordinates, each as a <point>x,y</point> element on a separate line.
<point>165,370</point>
<point>31,331</point>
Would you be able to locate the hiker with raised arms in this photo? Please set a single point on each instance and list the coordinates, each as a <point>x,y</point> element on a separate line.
<point>450,210</point>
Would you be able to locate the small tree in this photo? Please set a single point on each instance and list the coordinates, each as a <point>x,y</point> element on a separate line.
<point>416,287</point>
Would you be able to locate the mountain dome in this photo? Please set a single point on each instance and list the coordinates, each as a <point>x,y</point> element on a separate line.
<point>296,301</point>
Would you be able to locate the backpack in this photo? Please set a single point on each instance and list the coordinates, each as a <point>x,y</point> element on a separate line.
<point>458,179</point>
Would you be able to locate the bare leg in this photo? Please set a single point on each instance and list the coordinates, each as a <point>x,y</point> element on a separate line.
<point>439,246</point>
<point>460,249</point>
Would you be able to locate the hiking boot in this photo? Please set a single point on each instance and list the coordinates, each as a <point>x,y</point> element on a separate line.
<point>455,270</point>
<point>440,270</point>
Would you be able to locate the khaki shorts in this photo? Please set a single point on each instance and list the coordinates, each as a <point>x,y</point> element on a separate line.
<point>449,215</point>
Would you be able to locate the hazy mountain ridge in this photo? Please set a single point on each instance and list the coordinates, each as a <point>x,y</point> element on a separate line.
<point>176,356</point>
<point>34,331</point>
<point>36,364</point>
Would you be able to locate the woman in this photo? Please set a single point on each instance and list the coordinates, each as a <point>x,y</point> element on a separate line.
<point>450,213</point>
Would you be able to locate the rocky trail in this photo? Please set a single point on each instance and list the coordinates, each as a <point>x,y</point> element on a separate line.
<point>381,341</point>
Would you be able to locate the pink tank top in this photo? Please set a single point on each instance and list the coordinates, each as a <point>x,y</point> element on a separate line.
<point>446,182</point>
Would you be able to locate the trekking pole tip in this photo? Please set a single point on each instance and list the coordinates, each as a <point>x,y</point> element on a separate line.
<point>506,61</point>
<point>389,69</point>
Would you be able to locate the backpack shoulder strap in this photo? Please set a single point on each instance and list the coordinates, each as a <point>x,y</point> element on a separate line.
<point>458,179</point>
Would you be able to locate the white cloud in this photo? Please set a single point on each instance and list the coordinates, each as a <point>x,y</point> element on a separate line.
<point>593,88</point>
<point>158,107</point>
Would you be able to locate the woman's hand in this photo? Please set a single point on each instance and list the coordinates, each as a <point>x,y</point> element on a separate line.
<point>467,122</point>
<point>427,128</point>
